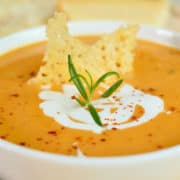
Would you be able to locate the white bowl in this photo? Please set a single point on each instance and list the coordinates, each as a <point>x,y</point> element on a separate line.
<point>18,163</point>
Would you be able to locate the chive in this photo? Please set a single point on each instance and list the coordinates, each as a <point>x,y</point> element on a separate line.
<point>83,78</point>
<point>90,78</point>
<point>77,81</point>
<point>94,114</point>
<point>81,103</point>
<point>80,80</point>
<point>103,77</point>
<point>112,89</point>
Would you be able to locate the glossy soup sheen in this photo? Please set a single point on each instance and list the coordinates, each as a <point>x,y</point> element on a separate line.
<point>156,71</point>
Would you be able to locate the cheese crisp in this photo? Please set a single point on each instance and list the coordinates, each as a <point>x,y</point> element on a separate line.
<point>113,52</point>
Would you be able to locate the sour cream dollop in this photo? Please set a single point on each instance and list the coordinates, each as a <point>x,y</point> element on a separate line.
<point>61,107</point>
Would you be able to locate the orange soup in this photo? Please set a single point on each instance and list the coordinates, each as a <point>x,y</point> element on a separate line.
<point>156,72</point>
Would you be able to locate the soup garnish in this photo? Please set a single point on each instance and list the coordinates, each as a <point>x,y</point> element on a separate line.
<point>118,46</point>
<point>111,52</point>
<point>91,87</point>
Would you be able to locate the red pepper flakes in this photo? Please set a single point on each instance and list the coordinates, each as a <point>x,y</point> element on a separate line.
<point>117,64</point>
<point>116,124</point>
<point>102,139</point>
<point>44,75</point>
<point>93,143</point>
<point>1,123</point>
<point>151,90</point>
<point>110,119</point>
<point>54,133</point>
<point>130,106</point>
<point>79,138</point>
<point>39,139</point>
<point>117,99</point>
<point>159,146</point>
<point>74,146</point>
<point>15,95</point>
<point>73,97</point>
<point>32,73</point>
<point>134,118</point>
<point>3,137</point>
<point>172,108</point>
<point>22,144</point>
<point>150,134</point>
<point>161,95</point>
<point>114,129</point>
<point>11,113</point>
<point>105,124</point>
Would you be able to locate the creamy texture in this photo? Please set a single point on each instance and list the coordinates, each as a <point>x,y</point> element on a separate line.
<point>115,111</point>
<point>156,72</point>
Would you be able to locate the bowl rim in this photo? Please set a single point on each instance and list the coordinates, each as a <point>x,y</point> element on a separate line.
<point>35,35</point>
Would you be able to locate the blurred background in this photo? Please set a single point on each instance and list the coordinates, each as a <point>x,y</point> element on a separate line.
<point>16,15</point>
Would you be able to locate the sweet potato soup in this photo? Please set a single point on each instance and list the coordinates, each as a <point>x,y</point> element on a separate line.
<point>156,72</point>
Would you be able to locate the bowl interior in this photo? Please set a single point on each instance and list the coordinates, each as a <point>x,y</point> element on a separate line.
<point>89,28</point>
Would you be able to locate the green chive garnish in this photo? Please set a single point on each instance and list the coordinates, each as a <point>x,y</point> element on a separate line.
<point>112,89</point>
<point>83,85</point>
<point>94,114</point>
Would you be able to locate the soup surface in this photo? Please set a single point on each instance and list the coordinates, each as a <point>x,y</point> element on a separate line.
<point>156,71</point>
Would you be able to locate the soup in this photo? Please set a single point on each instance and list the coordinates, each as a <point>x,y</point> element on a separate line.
<point>156,72</point>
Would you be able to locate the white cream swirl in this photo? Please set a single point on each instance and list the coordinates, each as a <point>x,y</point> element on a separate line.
<point>61,107</point>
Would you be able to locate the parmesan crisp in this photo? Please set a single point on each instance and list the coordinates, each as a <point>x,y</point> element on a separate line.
<point>112,52</point>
